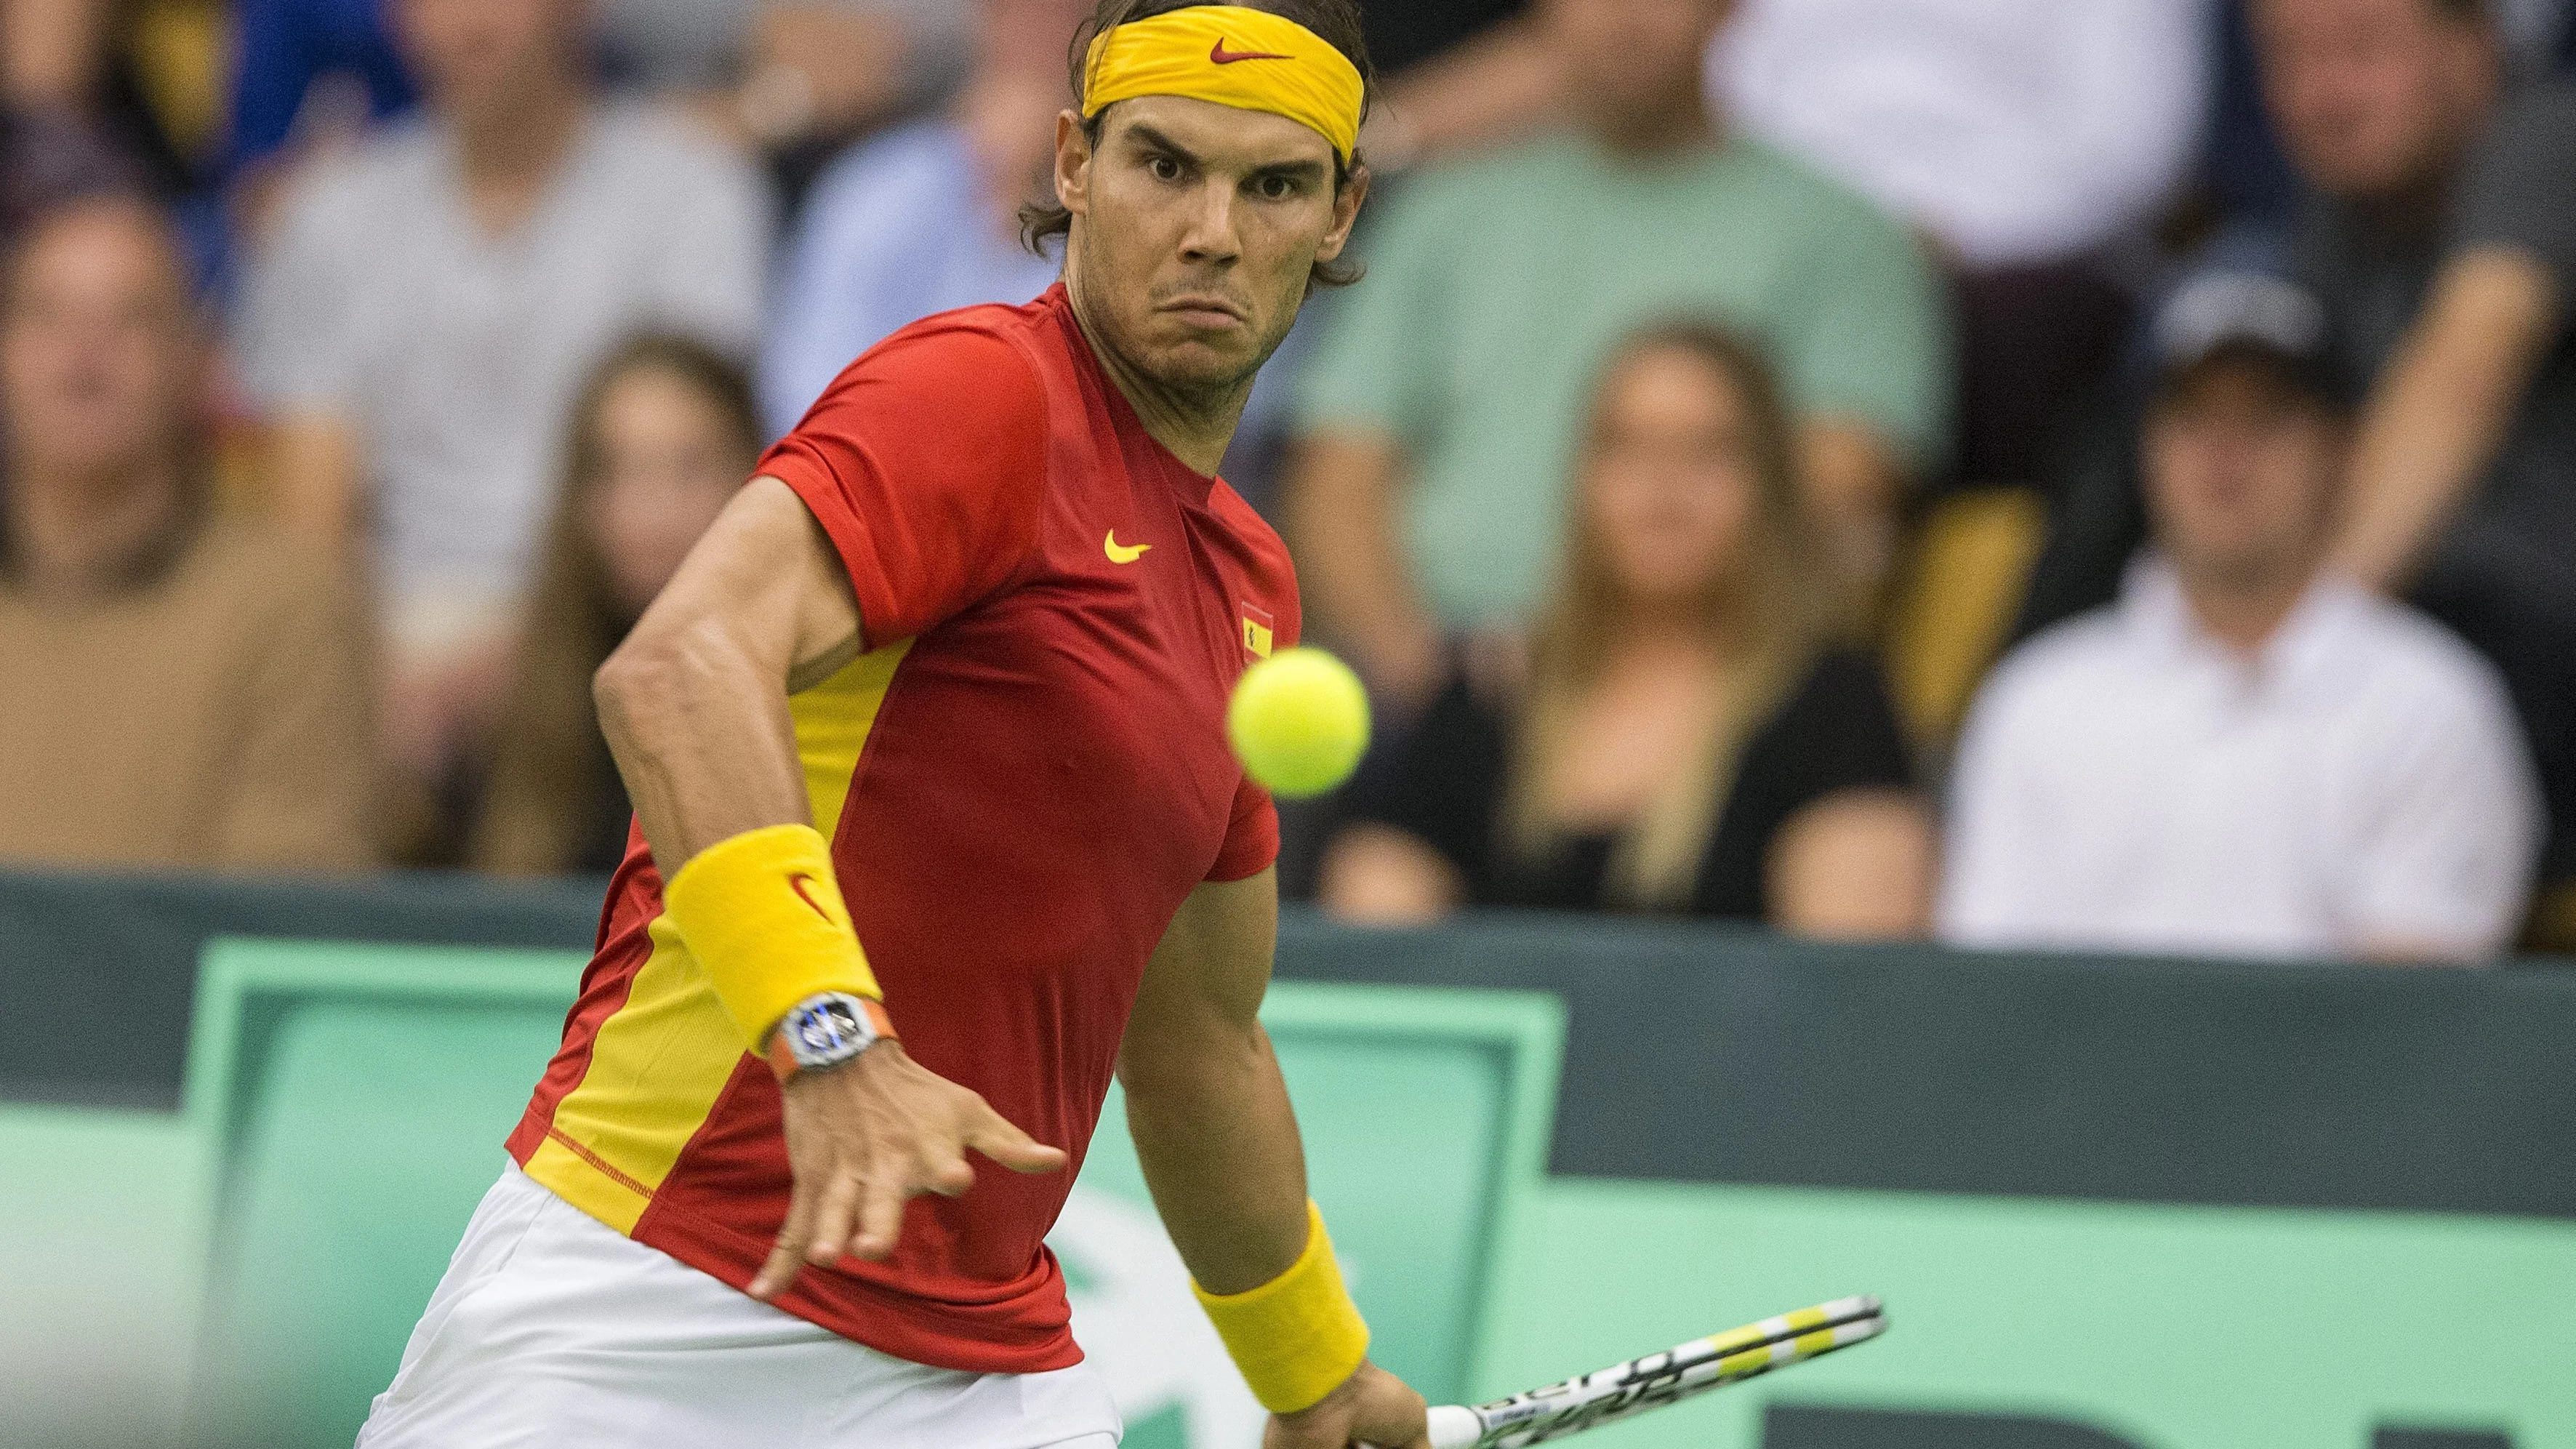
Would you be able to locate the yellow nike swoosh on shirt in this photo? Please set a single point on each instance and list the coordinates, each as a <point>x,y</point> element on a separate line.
<point>1121,555</point>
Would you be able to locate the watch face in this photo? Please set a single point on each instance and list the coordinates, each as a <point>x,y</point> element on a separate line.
<point>828,1027</point>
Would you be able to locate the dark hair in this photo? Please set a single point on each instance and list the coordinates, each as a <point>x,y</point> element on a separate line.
<point>2464,12</point>
<point>546,757</point>
<point>1336,22</point>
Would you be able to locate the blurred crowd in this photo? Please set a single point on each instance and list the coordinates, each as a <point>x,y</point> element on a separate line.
<point>2078,475</point>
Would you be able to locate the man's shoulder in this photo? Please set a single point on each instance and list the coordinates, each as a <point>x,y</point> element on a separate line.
<point>2403,660</point>
<point>989,345</point>
<point>1801,195</point>
<point>2066,666</point>
<point>973,371</point>
<point>1245,521</point>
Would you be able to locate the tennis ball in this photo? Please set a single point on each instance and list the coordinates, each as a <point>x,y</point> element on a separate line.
<point>1299,721</point>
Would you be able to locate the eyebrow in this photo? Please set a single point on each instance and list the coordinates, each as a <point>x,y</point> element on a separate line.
<point>1147,136</point>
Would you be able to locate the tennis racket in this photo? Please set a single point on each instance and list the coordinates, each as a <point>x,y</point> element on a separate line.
<point>1658,1379</point>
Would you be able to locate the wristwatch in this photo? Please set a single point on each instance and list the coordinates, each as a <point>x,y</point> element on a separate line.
<point>825,1031</point>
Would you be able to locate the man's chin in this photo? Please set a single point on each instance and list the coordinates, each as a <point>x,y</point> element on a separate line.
<point>1201,364</point>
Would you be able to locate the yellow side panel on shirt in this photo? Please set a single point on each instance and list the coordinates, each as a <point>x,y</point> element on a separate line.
<point>658,1064</point>
<point>832,723</point>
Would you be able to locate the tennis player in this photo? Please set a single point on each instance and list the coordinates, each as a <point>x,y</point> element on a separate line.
<point>937,829</point>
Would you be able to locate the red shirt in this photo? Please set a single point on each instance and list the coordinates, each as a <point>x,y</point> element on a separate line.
<point>1021,782</point>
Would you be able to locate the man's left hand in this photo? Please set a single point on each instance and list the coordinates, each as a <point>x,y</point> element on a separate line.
<point>1371,1407</point>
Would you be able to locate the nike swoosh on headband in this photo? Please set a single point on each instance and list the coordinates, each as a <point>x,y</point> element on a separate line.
<point>1219,55</point>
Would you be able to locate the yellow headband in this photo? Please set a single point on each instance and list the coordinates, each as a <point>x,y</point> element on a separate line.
<point>1235,56</point>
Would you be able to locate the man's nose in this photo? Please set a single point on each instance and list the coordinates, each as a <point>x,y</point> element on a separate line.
<point>1211,236</point>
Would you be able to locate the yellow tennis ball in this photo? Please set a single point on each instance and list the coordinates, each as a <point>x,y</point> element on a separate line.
<point>1299,721</point>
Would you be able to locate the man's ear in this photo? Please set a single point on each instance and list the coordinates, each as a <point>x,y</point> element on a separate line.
<point>1072,164</point>
<point>1346,214</point>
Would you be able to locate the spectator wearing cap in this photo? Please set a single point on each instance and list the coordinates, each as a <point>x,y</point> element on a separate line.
<point>2247,754</point>
<point>423,318</point>
<point>1442,409</point>
<point>183,689</point>
<point>926,217</point>
<point>2442,241</point>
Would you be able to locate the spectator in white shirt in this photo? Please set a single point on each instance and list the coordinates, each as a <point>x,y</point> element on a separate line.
<point>2028,139</point>
<point>2245,755</point>
<point>420,323</point>
<point>2016,131</point>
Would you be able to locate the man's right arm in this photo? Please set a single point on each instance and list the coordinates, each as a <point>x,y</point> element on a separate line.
<point>2443,407</point>
<point>2445,402</point>
<point>694,705</point>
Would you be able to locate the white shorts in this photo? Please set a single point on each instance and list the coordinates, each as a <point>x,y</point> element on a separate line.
<point>551,1329</point>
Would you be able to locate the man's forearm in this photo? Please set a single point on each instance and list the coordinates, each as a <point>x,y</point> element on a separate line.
<point>2442,409</point>
<point>1219,1145</point>
<point>694,703</point>
<point>703,740</point>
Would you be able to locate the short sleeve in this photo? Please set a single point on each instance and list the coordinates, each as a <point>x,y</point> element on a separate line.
<point>2517,186</point>
<point>926,464</point>
<point>1251,836</point>
<point>1872,344</point>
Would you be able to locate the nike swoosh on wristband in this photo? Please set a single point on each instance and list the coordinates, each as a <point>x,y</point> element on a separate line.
<point>1219,55</point>
<point>796,883</point>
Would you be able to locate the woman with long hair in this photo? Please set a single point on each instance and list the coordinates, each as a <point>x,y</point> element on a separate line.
<point>1680,734</point>
<point>662,436</point>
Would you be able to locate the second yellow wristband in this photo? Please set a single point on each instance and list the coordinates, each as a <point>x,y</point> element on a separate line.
<point>1298,1336</point>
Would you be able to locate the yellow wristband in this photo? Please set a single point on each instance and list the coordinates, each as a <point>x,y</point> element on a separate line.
<point>1298,1336</point>
<point>763,914</point>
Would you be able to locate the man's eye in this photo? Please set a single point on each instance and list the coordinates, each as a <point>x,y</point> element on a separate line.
<point>1164,168</point>
<point>1277,188</point>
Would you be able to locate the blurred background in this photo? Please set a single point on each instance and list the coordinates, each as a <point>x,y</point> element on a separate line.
<point>2030,545</point>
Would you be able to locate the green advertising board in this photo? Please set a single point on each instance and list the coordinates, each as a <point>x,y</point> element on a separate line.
<point>345,1106</point>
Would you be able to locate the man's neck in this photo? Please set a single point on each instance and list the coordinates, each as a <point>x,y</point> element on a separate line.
<point>2244,613</point>
<point>75,537</point>
<point>1196,427</point>
<point>1684,124</point>
<point>508,154</point>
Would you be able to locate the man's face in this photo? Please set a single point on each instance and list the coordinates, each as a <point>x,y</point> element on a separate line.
<point>97,347</point>
<point>1634,58</point>
<point>471,54</point>
<point>2240,470</point>
<point>1195,229</point>
<point>2372,97</point>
